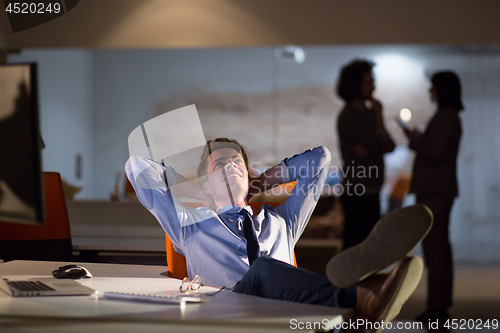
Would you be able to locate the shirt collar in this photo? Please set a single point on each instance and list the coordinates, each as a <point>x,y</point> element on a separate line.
<point>233,209</point>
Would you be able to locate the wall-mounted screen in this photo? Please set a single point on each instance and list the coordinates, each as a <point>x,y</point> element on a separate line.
<point>21,187</point>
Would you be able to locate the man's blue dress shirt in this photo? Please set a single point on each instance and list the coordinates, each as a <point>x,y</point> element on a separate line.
<point>213,242</point>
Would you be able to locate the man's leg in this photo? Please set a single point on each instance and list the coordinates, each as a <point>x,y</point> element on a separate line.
<point>393,237</point>
<point>377,299</point>
<point>274,279</point>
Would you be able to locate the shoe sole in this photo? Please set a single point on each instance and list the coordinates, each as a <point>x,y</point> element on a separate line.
<point>405,285</point>
<point>393,237</point>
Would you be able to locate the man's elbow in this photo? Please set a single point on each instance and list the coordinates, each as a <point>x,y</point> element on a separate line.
<point>324,156</point>
<point>136,164</point>
<point>131,162</point>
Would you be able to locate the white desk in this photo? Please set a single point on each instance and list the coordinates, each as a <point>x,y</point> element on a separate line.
<point>226,311</point>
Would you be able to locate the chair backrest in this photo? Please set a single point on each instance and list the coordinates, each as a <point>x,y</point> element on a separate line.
<point>177,263</point>
<point>51,241</point>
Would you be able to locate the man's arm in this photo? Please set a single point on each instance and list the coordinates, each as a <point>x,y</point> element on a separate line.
<point>359,130</point>
<point>388,144</point>
<point>438,134</point>
<point>187,188</point>
<point>265,181</point>
<point>153,183</point>
<point>309,170</point>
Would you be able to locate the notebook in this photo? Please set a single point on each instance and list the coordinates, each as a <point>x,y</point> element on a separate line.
<point>43,287</point>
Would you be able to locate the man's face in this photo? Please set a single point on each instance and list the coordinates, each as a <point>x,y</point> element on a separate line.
<point>367,86</point>
<point>227,178</point>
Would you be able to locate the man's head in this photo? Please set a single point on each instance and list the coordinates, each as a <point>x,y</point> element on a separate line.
<point>356,81</point>
<point>223,172</point>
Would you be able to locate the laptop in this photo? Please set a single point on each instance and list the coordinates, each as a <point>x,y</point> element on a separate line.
<point>43,287</point>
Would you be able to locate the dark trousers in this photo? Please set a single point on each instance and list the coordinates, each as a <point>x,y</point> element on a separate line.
<point>437,252</point>
<point>271,278</point>
<point>361,213</point>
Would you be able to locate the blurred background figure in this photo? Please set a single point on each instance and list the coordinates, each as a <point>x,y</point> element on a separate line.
<point>435,184</point>
<point>363,143</point>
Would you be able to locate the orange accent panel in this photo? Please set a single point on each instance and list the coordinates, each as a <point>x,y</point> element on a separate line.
<point>401,187</point>
<point>57,220</point>
<point>177,263</point>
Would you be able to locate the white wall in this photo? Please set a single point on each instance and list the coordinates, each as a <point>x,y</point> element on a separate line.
<point>98,97</point>
<point>477,211</point>
<point>475,219</point>
<point>65,99</point>
<point>233,92</point>
<point>130,85</point>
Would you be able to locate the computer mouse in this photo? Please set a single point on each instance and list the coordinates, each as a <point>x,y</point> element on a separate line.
<point>71,272</point>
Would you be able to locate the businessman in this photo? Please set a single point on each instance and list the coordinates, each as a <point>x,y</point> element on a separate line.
<point>229,246</point>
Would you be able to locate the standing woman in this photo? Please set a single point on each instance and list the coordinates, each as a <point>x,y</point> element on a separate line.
<point>434,182</point>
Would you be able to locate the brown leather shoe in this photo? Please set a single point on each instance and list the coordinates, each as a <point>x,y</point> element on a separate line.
<point>381,296</point>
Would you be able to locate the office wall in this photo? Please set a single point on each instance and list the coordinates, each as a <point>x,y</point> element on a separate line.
<point>238,90</point>
<point>233,90</point>
<point>475,226</point>
<point>477,211</point>
<point>65,100</point>
<point>132,85</point>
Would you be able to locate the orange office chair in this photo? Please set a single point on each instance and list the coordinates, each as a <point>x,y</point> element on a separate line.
<point>51,241</point>
<point>177,263</point>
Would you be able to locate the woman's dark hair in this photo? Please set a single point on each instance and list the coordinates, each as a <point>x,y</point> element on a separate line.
<point>351,76</point>
<point>216,144</point>
<point>448,90</point>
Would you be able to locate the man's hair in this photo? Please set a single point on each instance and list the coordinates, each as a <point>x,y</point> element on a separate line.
<point>216,144</point>
<point>351,76</point>
<point>448,90</point>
